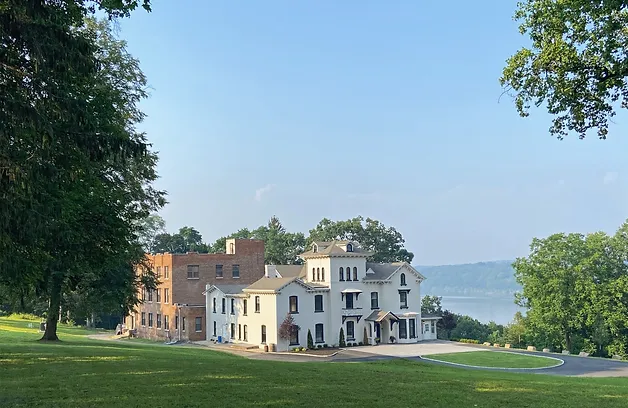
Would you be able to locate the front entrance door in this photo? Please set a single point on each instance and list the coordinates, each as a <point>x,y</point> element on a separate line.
<point>378,331</point>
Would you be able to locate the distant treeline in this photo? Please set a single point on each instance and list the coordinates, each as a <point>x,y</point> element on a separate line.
<point>495,278</point>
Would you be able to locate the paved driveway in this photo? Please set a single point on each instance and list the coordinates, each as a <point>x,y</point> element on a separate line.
<point>416,349</point>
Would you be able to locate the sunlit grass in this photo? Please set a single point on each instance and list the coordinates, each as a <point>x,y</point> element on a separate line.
<point>79,372</point>
<point>496,359</point>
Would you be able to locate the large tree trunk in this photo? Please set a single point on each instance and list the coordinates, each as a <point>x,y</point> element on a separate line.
<point>54,309</point>
<point>567,341</point>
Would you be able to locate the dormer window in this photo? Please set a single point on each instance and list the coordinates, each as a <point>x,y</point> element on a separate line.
<point>349,247</point>
<point>314,248</point>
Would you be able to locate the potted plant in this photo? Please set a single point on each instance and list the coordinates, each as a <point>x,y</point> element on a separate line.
<point>392,339</point>
<point>377,340</point>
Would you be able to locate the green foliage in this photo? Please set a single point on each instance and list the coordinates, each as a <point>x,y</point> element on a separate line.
<point>515,332</point>
<point>431,305</point>
<point>386,242</point>
<point>341,338</point>
<point>469,328</point>
<point>469,341</point>
<point>287,327</point>
<point>576,64</point>
<point>76,173</point>
<point>574,287</point>
<point>310,340</point>
<point>188,239</point>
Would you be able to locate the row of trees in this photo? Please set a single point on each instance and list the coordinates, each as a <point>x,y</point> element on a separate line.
<point>75,173</point>
<point>283,247</point>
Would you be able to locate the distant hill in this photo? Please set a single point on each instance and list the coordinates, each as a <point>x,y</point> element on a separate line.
<point>494,279</point>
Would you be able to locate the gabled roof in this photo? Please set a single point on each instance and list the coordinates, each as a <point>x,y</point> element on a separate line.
<point>320,248</point>
<point>379,315</point>
<point>227,289</point>
<point>291,271</point>
<point>384,271</point>
<point>270,284</point>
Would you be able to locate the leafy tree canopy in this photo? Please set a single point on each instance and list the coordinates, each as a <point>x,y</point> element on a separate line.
<point>576,63</point>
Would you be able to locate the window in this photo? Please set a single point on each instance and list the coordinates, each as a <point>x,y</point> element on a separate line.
<point>403,299</point>
<point>192,271</point>
<point>433,327</point>
<point>318,274</point>
<point>143,294</point>
<point>198,324</point>
<point>158,320</point>
<point>233,330</point>
<point>232,306</point>
<point>158,295</point>
<point>219,271</point>
<point>214,327</point>
<point>313,274</point>
<point>319,333</point>
<point>214,305</point>
<point>426,328</point>
<point>245,304</point>
<point>318,303</point>
<point>403,329</point>
<point>341,276</point>
<point>166,325</point>
<point>323,274</point>
<point>239,332</point>
<point>294,335</point>
<point>263,333</point>
<point>224,306</point>
<point>355,273</point>
<point>183,324</point>
<point>349,300</point>
<point>150,295</point>
<point>159,272</point>
<point>257,306</point>
<point>166,272</point>
<point>374,300</point>
<point>246,333</point>
<point>232,248</point>
<point>166,295</point>
<point>150,320</point>
<point>349,247</point>
<point>412,329</point>
<point>350,330</point>
<point>348,273</point>
<point>402,277</point>
<point>176,322</point>
<point>235,271</point>
<point>143,318</point>
<point>294,304</point>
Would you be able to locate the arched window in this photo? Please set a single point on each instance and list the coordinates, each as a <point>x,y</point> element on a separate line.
<point>318,274</point>
<point>403,279</point>
<point>355,273</point>
<point>323,274</point>
<point>342,274</point>
<point>313,274</point>
<point>349,247</point>
<point>348,273</point>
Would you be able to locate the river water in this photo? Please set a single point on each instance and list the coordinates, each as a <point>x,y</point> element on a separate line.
<point>484,309</point>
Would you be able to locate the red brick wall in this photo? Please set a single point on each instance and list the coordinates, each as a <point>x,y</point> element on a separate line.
<point>249,255</point>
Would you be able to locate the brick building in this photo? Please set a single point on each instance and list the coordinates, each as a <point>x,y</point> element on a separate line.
<point>178,301</point>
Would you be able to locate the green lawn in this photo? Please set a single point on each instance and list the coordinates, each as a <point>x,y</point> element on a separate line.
<point>495,359</point>
<point>79,372</point>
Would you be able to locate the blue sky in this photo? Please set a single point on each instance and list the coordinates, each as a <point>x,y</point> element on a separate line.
<point>315,109</point>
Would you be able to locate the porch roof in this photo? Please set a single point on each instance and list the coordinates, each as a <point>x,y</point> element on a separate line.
<point>379,315</point>
<point>351,291</point>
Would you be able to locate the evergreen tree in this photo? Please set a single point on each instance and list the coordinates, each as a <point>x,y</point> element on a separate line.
<point>310,341</point>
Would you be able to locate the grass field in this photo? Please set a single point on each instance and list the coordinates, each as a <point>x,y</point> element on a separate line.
<point>495,359</point>
<point>79,372</point>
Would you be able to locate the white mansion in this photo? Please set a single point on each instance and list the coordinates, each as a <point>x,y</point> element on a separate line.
<point>335,288</point>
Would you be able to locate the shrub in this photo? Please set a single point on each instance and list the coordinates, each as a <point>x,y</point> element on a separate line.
<point>23,316</point>
<point>325,346</point>
<point>469,341</point>
<point>361,343</point>
<point>310,341</point>
<point>303,349</point>
<point>341,341</point>
<point>319,347</point>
